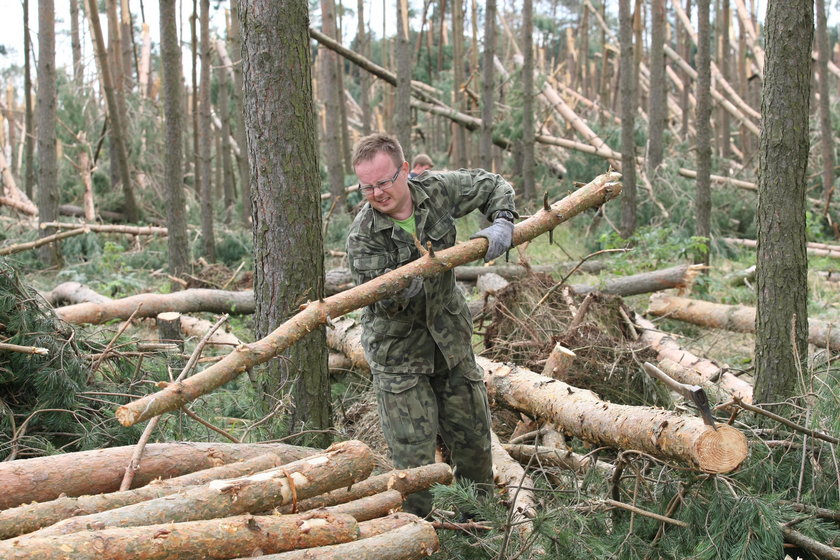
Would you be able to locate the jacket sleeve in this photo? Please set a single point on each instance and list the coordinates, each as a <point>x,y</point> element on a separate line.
<point>471,189</point>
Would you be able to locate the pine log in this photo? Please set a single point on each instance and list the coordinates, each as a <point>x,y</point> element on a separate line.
<point>600,190</point>
<point>195,327</point>
<point>79,212</point>
<point>737,318</point>
<point>186,301</point>
<point>406,481</point>
<point>346,339</point>
<point>229,537</point>
<point>675,277</point>
<point>31,517</point>
<point>45,478</point>
<point>104,228</point>
<point>341,465</point>
<point>413,541</point>
<point>660,433</point>
<point>169,327</point>
<point>73,292</point>
<point>370,507</point>
<point>19,206</point>
<point>713,378</point>
<point>814,249</point>
<point>518,485</point>
<point>543,456</point>
<point>510,272</point>
<point>559,361</point>
<point>390,522</point>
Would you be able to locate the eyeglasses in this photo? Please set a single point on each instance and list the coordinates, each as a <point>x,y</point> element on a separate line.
<point>381,185</point>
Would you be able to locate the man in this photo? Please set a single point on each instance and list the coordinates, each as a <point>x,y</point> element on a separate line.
<point>419,165</point>
<point>418,343</point>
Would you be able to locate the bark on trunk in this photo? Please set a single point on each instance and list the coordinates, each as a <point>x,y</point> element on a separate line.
<point>657,106</point>
<point>661,433</point>
<point>518,486</point>
<point>341,465</point>
<point>217,538</point>
<point>675,277</point>
<point>45,478</point>
<point>48,191</point>
<point>73,292</point>
<point>599,191</point>
<point>328,63</point>
<point>370,507</point>
<point>488,86</point>
<point>205,191</point>
<point>627,90</point>
<point>528,179</point>
<point>738,318</point>
<point>404,66</point>
<point>198,299</point>
<point>413,541</point>
<point>703,193</point>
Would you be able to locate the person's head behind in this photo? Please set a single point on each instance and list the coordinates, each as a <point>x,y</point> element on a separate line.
<point>421,163</point>
<point>380,165</point>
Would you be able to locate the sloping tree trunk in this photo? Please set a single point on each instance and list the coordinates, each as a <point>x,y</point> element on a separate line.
<point>627,91</point>
<point>48,194</point>
<point>171,74</point>
<point>826,134</point>
<point>331,97</point>
<point>781,347</point>
<point>205,139</point>
<point>287,207</point>
<point>528,186</point>
<point>703,196</point>
<point>29,137</point>
<point>657,106</point>
<point>402,108</point>
<point>488,85</point>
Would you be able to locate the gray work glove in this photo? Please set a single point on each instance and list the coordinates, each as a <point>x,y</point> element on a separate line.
<point>499,236</point>
<point>412,289</point>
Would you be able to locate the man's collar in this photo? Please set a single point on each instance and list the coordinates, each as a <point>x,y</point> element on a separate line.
<point>382,221</point>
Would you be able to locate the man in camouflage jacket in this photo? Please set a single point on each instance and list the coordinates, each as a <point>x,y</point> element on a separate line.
<point>418,343</point>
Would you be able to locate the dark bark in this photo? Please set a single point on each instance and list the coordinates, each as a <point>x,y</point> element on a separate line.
<point>286,184</point>
<point>364,77</point>
<point>488,83</point>
<point>47,158</point>
<point>194,97</point>
<point>703,196</point>
<point>460,140</point>
<point>226,163</point>
<point>723,17</point>
<point>782,320</point>
<point>657,100</point>
<point>328,88</point>
<point>402,109</point>
<point>684,45</point>
<point>627,90</point>
<point>528,186</point>
<point>28,142</point>
<point>826,134</point>
<point>176,217</point>
<point>241,139</point>
<point>205,139</point>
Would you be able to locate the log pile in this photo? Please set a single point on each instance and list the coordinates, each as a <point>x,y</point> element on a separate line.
<point>215,501</point>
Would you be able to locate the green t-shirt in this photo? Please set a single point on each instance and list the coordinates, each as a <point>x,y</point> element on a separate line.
<point>408,224</point>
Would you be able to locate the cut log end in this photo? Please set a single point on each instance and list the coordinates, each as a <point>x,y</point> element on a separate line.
<point>125,416</point>
<point>722,450</point>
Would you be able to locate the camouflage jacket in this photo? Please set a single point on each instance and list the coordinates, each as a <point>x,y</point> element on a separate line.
<point>400,335</point>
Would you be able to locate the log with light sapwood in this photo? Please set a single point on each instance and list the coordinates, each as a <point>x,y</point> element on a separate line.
<point>670,352</point>
<point>12,192</point>
<point>559,361</point>
<point>185,301</point>
<point>600,190</point>
<point>229,537</point>
<point>340,465</point>
<point>545,456</point>
<point>680,276</point>
<point>814,249</point>
<point>413,541</point>
<point>31,517</point>
<point>346,339</point>
<point>518,486</point>
<point>20,247</point>
<point>45,478</point>
<point>580,413</point>
<point>511,272</point>
<point>407,481</point>
<point>737,318</point>
<point>195,327</point>
<point>109,228</point>
<point>390,522</point>
<point>18,205</point>
<point>370,507</point>
<point>73,292</point>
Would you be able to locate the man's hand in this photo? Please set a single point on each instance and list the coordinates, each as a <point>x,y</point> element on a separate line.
<point>499,236</point>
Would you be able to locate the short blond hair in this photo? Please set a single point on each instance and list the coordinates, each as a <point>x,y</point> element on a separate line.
<point>372,144</point>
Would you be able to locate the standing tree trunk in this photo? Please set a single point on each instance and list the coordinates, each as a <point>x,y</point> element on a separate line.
<point>685,49</point>
<point>205,139</point>
<point>364,77</point>
<point>47,157</point>
<point>332,97</point>
<point>782,325</point>
<point>171,74</point>
<point>126,46</point>
<point>242,160</point>
<point>528,186</point>
<point>225,162</point>
<point>194,96</point>
<point>627,88</point>
<point>657,106</point>
<point>725,70</point>
<point>703,196</point>
<point>402,109</point>
<point>488,85</point>
<point>76,43</point>
<point>460,144</point>
<point>28,147</point>
<point>827,137</point>
<point>286,184</point>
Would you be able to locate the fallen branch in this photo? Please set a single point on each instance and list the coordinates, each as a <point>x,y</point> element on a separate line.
<point>815,249</point>
<point>602,189</point>
<point>24,349</point>
<point>788,423</point>
<point>20,247</point>
<point>675,277</point>
<point>101,228</point>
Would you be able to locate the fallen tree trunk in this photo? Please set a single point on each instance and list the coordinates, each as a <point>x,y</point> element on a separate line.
<point>543,456</point>
<point>413,541</point>
<point>370,507</point>
<point>31,517</point>
<point>341,465</point>
<point>217,538</point>
<point>197,299</point>
<point>346,338</point>
<point>79,212</point>
<point>73,292</point>
<point>518,486</point>
<point>660,433</point>
<point>675,277</point>
<point>381,525</point>
<point>738,318</point>
<point>46,478</point>
<point>681,363</point>
<point>511,272</point>
<point>815,249</point>
<point>101,228</point>
<point>602,189</point>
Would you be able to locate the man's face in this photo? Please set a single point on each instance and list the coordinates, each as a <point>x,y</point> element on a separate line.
<point>390,195</point>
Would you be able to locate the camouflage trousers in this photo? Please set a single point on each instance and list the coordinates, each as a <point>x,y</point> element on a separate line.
<point>415,408</point>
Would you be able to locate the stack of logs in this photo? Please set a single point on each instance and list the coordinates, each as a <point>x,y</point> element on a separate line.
<point>219,501</point>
